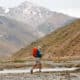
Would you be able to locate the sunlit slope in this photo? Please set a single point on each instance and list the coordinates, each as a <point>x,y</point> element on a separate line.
<point>64,42</point>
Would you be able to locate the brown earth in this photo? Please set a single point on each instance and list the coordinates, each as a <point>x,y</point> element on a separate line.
<point>63,44</point>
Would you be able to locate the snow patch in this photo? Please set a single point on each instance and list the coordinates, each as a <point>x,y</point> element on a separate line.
<point>35,70</point>
<point>6,10</point>
<point>41,34</point>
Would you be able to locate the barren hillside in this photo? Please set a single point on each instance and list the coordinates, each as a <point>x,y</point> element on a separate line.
<point>64,42</point>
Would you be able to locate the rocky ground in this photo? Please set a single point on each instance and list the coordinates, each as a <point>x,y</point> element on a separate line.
<point>41,76</point>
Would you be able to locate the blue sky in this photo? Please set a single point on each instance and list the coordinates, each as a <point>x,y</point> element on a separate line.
<point>69,7</point>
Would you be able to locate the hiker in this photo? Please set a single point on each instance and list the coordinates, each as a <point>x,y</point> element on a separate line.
<point>37,54</point>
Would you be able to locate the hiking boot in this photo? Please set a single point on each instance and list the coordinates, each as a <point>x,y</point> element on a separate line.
<point>31,71</point>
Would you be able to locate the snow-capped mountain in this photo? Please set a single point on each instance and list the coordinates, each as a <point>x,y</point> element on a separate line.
<point>30,14</point>
<point>25,23</point>
<point>38,17</point>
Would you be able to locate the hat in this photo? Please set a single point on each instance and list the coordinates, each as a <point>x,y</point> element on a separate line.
<point>39,47</point>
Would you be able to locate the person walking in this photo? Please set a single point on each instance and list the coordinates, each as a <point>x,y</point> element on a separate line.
<point>37,55</point>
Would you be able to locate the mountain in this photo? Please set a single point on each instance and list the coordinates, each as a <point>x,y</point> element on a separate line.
<point>21,25</point>
<point>14,35</point>
<point>54,22</point>
<point>42,20</point>
<point>37,17</point>
<point>64,42</point>
<point>29,13</point>
<point>1,11</point>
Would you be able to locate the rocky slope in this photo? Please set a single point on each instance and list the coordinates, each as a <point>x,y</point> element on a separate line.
<point>64,42</point>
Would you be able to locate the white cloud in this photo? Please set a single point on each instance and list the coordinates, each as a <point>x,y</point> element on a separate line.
<point>69,7</point>
<point>74,12</point>
<point>6,10</point>
<point>10,3</point>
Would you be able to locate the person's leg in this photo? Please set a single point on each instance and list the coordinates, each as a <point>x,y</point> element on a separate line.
<point>40,67</point>
<point>39,64</point>
<point>34,66</point>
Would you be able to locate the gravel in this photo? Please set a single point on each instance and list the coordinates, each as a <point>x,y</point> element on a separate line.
<point>41,76</point>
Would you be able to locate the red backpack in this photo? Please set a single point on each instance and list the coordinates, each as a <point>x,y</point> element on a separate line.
<point>35,51</point>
